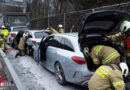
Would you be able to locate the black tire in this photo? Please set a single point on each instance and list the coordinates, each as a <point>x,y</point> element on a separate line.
<point>59,74</point>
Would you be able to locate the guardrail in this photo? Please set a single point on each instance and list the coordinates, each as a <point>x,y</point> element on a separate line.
<point>11,80</point>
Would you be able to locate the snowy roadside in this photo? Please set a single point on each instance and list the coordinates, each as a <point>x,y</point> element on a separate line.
<point>34,76</point>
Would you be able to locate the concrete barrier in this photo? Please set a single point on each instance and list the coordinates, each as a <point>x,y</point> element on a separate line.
<point>11,80</point>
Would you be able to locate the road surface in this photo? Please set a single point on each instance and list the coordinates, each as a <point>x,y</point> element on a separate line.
<point>36,77</point>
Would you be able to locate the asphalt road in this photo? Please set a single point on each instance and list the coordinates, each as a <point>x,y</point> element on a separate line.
<point>36,77</point>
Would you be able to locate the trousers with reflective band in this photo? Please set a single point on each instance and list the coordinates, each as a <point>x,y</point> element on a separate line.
<point>110,57</point>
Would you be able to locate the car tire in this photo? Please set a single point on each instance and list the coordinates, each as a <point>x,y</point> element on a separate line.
<point>59,74</point>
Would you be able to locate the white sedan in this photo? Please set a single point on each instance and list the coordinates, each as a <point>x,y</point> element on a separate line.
<point>35,36</point>
<point>14,31</point>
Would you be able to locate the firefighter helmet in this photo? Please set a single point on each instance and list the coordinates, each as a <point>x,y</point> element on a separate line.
<point>2,26</point>
<point>60,25</point>
<point>86,51</point>
<point>125,26</point>
<point>124,69</point>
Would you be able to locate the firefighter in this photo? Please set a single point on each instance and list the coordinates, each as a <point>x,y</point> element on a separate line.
<point>109,77</point>
<point>102,54</point>
<point>21,45</point>
<point>123,39</point>
<point>52,30</point>
<point>5,33</point>
<point>61,30</point>
<point>2,41</point>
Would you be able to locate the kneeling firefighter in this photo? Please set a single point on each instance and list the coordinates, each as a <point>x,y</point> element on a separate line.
<point>109,77</point>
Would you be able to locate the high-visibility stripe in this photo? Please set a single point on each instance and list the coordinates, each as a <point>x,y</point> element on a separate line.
<point>118,83</point>
<point>96,60</point>
<point>112,55</point>
<point>98,48</point>
<point>128,54</point>
<point>103,72</point>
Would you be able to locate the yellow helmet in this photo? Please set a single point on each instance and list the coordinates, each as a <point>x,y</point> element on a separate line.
<point>125,26</point>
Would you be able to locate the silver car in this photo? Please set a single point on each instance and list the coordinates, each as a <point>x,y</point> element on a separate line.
<point>60,53</point>
<point>63,54</point>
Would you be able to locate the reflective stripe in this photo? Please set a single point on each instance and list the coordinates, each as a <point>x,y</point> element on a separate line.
<point>122,44</point>
<point>103,72</point>
<point>98,48</point>
<point>118,83</point>
<point>128,54</point>
<point>96,60</point>
<point>112,55</point>
<point>113,38</point>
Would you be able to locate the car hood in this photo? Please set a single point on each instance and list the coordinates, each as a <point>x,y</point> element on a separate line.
<point>102,22</point>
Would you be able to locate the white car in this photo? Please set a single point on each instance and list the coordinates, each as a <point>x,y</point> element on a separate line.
<point>35,36</point>
<point>14,31</point>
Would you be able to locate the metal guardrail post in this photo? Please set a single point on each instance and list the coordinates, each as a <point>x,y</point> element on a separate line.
<point>10,73</point>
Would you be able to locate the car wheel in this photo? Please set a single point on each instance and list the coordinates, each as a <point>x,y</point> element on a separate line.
<point>59,74</point>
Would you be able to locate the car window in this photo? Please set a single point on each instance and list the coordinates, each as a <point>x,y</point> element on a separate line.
<point>20,29</point>
<point>68,45</point>
<point>40,34</point>
<point>55,42</point>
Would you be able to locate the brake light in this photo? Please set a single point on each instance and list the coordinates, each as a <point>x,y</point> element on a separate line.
<point>78,60</point>
<point>33,41</point>
<point>12,34</point>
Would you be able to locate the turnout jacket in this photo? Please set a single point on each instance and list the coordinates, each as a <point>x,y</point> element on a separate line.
<point>124,41</point>
<point>106,78</point>
<point>101,54</point>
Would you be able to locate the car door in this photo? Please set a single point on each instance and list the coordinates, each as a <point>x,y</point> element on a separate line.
<point>51,53</point>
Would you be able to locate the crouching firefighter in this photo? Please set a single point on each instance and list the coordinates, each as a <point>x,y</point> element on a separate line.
<point>109,77</point>
<point>123,40</point>
<point>21,45</point>
<point>102,54</point>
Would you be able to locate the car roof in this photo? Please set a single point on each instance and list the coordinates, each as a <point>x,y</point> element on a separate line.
<point>18,26</point>
<point>38,31</point>
<point>68,34</point>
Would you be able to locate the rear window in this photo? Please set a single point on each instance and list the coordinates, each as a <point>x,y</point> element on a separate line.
<point>101,24</point>
<point>40,34</point>
<point>20,29</point>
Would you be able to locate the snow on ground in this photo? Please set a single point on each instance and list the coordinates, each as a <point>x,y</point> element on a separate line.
<point>34,76</point>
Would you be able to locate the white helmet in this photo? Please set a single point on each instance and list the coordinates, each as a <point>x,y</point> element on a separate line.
<point>2,26</point>
<point>60,25</point>
<point>125,26</point>
<point>124,69</point>
<point>86,51</point>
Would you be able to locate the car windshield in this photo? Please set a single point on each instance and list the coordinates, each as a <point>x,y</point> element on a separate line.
<point>20,29</point>
<point>40,34</point>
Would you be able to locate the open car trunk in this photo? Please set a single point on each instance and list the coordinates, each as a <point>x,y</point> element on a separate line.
<point>97,25</point>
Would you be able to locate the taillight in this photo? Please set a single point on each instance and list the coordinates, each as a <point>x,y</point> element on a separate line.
<point>12,34</point>
<point>78,60</point>
<point>33,41</point>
